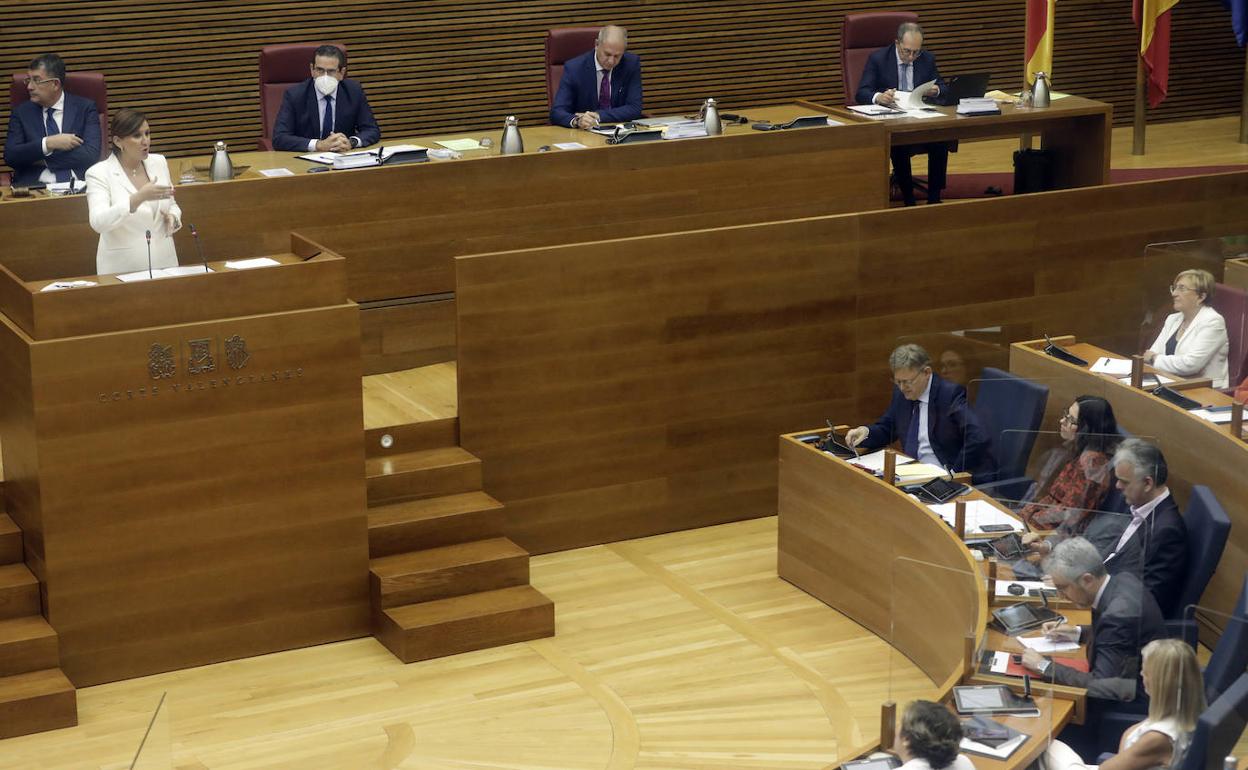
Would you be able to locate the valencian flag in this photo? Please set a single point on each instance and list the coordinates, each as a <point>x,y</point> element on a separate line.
<point>1153,16</point>
<point>1038,53</point>
<point>1239,19</point>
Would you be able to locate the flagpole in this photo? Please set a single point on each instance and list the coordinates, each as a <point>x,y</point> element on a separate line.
<point>1141,96</point>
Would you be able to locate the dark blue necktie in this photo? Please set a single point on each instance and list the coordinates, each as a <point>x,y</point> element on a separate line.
<point>62,174</point>
<point>327,125</point>
<point>911,443</point>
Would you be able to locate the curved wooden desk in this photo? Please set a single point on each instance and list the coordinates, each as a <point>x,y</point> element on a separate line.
<point>841,534</point>
<point>1197,451</point>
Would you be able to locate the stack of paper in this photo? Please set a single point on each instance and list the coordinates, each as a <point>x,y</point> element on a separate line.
<point>685,129</point>
<point>978,107</point>
<point>1046,646</point>
<point>978,514</point>
<point>58,285</point>
<point>1215,415</point>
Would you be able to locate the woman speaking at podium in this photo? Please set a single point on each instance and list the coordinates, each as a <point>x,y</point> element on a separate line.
<point>130,195</point>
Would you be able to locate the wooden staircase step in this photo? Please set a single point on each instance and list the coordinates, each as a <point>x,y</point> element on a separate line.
<point>464,623</point>
<point>414,525</point>
<point>36,701</point>
<point>412,437</point>
<point>423,473</point>
<point>10,541</point>
<point>19,592</point>
<point>27,644</point>
<point>452,570</point>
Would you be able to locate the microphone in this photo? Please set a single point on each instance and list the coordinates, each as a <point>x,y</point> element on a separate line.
<point>195,236</point>
<point>1026,685</point>
<point>148,233</point>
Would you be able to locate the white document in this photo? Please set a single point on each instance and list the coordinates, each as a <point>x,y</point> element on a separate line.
<point>321,157</point>
<point>162,272</point>
<point>832,122</point>
<point>875,110</point>
<point>142,275</point>
<point>569,146</point>
<point>910,471</point>
<point>173,272</point>
<point>999,752</point>
<point>912,100</point>
<point>276,172</point>
<point>1219,417</point>
<point>874,461</point>
<point>1046,646</point>
<point>1003,588</point>
<point>248,264</point>
<point>1116,367</point>
<point>685,130</point>
<point>978,513</point>
<point>58,285</point>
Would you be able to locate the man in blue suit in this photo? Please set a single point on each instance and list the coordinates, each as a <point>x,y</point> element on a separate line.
<point>600,86</point>
<point>326,112</point>
<point>905,66</point>
<point>55,135</point>
<point>931,418</point>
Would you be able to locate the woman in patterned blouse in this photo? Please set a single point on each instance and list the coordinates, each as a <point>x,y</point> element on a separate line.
<point>1076,477</point>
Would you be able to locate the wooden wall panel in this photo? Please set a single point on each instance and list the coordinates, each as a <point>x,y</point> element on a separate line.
<point>441,65</point>
<point>636,386</point>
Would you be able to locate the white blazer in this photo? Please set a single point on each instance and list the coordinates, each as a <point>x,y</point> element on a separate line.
<point>1202,349</point>
<point>123,243</point>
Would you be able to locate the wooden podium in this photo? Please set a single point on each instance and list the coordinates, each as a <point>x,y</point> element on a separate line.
<point>184,457</point>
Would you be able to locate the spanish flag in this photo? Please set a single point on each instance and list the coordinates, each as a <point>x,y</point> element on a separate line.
<point>1038,54</point>
<point>1154,17</point>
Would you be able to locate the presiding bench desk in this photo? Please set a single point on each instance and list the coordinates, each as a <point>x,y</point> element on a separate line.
<point>1077,130</point>
<point>886,561</point>
<point>399,228</point>
<point>1197,451</point>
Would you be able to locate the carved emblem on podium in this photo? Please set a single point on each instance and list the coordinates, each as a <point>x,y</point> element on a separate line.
<point>201,360</point>
<point>160,361</point>
<point>236,354</point>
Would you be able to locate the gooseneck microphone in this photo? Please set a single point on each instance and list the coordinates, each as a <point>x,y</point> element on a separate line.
<point>148,233</point>
<point>198,248</point>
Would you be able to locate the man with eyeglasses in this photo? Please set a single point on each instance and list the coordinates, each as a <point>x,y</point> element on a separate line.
<point>931,419</point>
<point>56,135</point>
<point>904,66</point>
<point>327,112</point>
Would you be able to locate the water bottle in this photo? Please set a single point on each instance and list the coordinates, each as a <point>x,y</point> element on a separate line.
<point>221,168</point>
<point>1040,92</point>
<point>512,144</point>
<point>711,112</point>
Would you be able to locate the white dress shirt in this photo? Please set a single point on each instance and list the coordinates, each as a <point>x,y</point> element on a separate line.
<point>48,176</point>
<point>926,455</point>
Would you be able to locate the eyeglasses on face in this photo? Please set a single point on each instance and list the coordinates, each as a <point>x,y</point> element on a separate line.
<point>909,382</point>
<point>37,82</point>
<point>1178,287</point>
<point>331,71</point>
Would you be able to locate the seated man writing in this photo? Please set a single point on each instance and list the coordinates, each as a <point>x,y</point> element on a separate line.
<point>600,86</point>
<point>931,419</point>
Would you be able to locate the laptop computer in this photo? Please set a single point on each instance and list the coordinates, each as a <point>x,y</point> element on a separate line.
<point>959,87</point>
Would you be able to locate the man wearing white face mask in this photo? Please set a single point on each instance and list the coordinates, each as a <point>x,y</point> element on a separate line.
<point>326,112</point>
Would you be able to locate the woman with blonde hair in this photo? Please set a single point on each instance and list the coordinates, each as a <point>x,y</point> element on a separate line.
<point>1193,340</point>
<point>1176,694</point>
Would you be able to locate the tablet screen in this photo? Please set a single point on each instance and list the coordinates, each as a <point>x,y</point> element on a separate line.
<point>976,699</point>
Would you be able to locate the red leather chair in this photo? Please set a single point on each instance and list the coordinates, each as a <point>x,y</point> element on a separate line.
<point>1232,303</point>
<point>90,85</point>
<point>564,43</point>
<point>862,34</point>
<point>281,66</point>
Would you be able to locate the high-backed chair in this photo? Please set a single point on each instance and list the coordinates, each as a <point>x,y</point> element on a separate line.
<point>1232,303</point>
<point>1207,530</point>
<point>281,66</point>
<point>563,43</point>
<point>1010,408</point>
<point>90,85</point>
<point>1230,655</point>
<point>862,34</point>
<point>1218,729</point>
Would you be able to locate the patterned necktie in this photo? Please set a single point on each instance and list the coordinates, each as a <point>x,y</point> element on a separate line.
<point>62,174</point>
<point>327,125</point>
<point>604,91</point>
<point>911,443</point>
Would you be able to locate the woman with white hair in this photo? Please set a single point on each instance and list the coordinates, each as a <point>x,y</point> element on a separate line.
<point>1193,340</point>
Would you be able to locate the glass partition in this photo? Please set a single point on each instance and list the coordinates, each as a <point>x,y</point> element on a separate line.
<point>155,749</point>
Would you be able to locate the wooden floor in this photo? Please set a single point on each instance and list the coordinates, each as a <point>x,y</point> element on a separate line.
<point>412,395</point>
<point>678,651</point>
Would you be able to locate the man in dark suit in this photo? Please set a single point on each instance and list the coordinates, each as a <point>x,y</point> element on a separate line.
<point>599,86</point>
<point>930,417</point>
<point>55,135</point>
<point>905,66</point>
<point>326,112</point>
<point>1154,543</point>
<point>1125,617</point>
